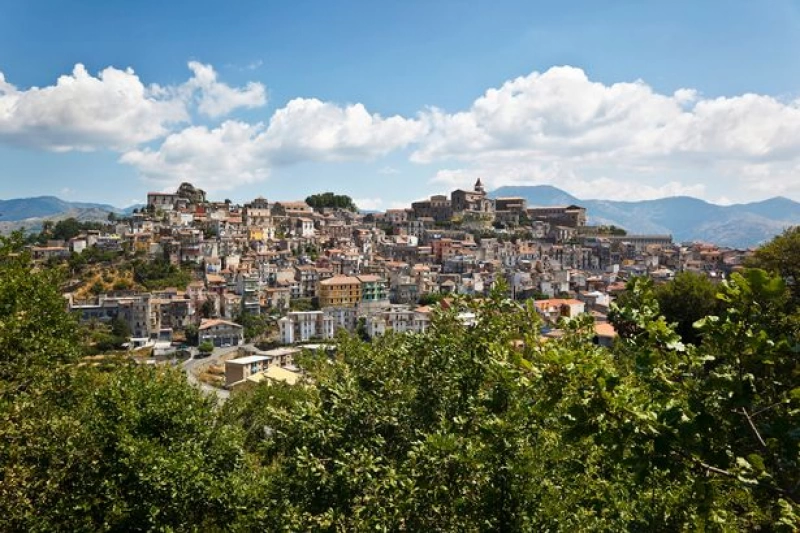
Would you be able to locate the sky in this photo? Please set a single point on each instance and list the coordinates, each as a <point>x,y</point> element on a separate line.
<point>390,102</point>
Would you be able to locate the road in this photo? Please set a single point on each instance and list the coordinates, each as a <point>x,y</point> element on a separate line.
<point>191,365</point>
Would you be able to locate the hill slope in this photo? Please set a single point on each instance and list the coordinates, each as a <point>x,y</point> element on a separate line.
<point>44,206</point>
<point>686,218</point>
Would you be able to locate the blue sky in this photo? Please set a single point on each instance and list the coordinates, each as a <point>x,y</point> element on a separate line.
<point>393,101</point>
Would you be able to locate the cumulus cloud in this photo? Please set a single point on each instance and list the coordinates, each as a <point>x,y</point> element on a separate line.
<point>567,179</point>
<point>620,140</point>
<point>217,159</point>
<point>303,130</point>
<point>113,110</point>
<point>215,98</point>
<point>560,117</point>
<point>309,129</point>
<point>83,112</point>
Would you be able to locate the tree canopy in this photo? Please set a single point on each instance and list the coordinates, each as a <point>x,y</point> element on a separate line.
<point>331,200</point>
<point>782,255</point>
<point>685,300</point>
<point>482,427</point>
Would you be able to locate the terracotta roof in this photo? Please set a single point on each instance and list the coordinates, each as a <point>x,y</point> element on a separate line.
<point>604,329</point>
<point>217,322</point>
<point>341,280</point>
<point>557,301</point>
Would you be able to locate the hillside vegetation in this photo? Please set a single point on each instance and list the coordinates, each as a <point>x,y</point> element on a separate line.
<point>483,428</point>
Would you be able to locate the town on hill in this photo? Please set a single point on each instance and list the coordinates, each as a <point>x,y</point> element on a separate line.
<point>186,271</point>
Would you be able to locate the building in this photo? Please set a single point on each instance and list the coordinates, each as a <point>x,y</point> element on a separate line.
<point>511,203</point>
<point>163,201</point>
<point>572,216</point>
<point>554,308</point>
<point>282,356</point>
<point>340,291</point>
<point>303,326</point>
<point>437,208</point>
<point>135,310</point>
<point>373,289</point>
<point>242,368</point>
<point>221,333</point>
<point>474,200</point>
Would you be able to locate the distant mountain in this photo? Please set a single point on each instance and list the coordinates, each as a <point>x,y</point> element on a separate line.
<point>44,206</point>
<point>685,218</point>
<point>30,213</point>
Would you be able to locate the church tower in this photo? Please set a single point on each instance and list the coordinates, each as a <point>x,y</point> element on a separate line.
<point>479,187</point>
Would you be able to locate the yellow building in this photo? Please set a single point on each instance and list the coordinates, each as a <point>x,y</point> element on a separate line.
<point>255,233</point>
<point>340,291</point>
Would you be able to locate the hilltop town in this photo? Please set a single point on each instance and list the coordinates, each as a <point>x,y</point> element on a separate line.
<point>287,273</point>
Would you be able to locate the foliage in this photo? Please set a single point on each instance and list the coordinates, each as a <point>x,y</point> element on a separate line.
<point>685,300</point>
<point>611,230</point>
<point>431,298</point>
<point>130,449</point>
<point>208,309</point>
<point>331,200</point>
<point>35,328</point>
<point>480,427</point>
<point>66,229</point>
<point>361,330</point>
<point>192,335</point>
<point>206,347</point>
<point>255,326</point>
<point>303,304</point>
<point>160,274</point>
<point>782,255</point>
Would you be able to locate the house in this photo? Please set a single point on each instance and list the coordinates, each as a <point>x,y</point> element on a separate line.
<point>273,374</point>
<point>340,291</point>
<point>221,333</point>
<point>554,308</point>
<point>302,326</point>
<point>240,369</point>
<point>604,334</point>
<point>282,356</point>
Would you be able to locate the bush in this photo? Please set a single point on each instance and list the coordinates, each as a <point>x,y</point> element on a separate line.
<point>206,347</point>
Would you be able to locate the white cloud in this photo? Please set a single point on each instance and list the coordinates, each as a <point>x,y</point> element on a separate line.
<point>303,130</point>
<point>557,175</point>
<point>309,129</point>
<point>369,204</point>
<point>216,159</point>
<point>560,118</point>
<point>114,109</point>
<point>216,99</point>
<point>621,140</point>
<point>83,112</point>
<point>388,171</point>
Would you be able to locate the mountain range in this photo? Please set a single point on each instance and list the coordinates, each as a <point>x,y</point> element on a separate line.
<point>44,206</point>
<point>684,217</point>
<point>31,213</point>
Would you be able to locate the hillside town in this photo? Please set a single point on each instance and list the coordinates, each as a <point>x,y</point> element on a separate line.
<point>307,272</point>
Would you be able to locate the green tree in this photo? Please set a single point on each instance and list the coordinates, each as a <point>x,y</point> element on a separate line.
<point>255,326</point>
<point>206,347</point>
<point>782,255</point>
<point>208,309</point>
<point>192,335</point>
<point>35,328</point>
<point>160,274</point>
<point>129,449</point>
<point>331,200</point>
<point>685,300</point>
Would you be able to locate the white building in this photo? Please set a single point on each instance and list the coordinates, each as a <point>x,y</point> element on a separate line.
<point>303,326</point>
